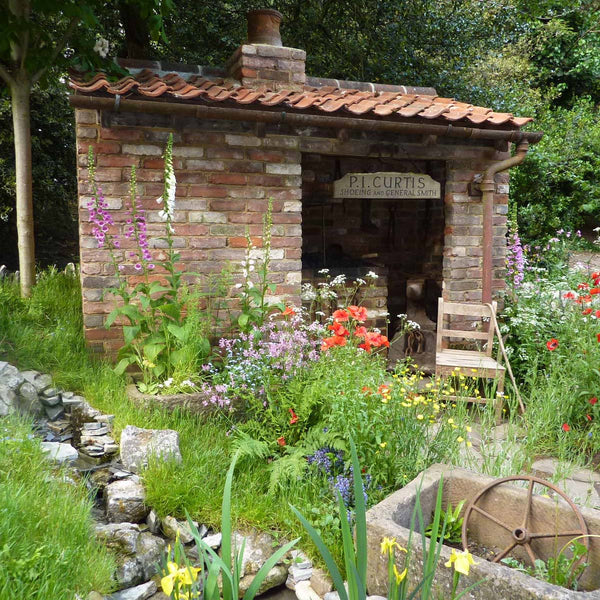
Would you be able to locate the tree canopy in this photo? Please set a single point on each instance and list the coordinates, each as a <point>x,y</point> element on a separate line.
<point>537,58</point>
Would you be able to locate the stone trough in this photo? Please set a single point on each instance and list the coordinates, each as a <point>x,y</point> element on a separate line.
<point>392,518</point>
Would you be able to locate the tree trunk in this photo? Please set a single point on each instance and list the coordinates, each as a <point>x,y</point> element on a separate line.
<point>20,93</point>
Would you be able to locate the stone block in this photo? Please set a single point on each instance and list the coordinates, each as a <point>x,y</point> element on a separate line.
<point>138,445</point>
<point>125,502</point>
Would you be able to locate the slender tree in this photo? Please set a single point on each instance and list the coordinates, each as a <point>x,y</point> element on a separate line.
<point>34,39</point>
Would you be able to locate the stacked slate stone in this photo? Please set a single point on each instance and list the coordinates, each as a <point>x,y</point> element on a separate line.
<point>75,433</point>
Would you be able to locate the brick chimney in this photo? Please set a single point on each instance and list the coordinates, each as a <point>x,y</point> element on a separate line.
<point>263,62</point>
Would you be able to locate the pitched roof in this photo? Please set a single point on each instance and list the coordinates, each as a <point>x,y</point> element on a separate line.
<point>401,103</point>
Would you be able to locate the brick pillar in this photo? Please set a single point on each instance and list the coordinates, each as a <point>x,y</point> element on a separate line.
<point>263,65</point>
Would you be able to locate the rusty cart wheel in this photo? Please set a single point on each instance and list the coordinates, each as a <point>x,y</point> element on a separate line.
<point>521,535</point>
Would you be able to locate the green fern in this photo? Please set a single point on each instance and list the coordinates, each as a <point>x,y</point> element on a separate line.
<point>250,448</point>
<point>286,471</point>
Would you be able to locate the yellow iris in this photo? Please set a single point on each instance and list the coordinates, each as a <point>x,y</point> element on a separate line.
<point>461,561</point>
<point>399,576</point>
<point>388,545</point>
<point>178,576</point>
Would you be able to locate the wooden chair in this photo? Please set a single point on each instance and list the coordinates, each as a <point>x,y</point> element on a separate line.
<point>473,363</point>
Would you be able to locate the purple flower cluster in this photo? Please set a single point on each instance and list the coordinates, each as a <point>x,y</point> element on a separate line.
<point>327,459</point>
<point>137,229</point>
<point>101,218</point>
<point>275,352</point>
<point>515,260</point>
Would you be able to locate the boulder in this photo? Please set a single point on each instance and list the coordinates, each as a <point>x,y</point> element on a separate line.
<point>258,548</point>
<point>60,452</point>
<point>149,549</point>
<point>137,552</point>
<point>125,501</point>
<point>120,537</point>
<point>8,400</point>
<point>28,399</point>
<point>137,445</point>
<point>40,381</point>
<point>11,377</point>
<point>171,527</point>
<point>274,578</point>
<point>139,592</point>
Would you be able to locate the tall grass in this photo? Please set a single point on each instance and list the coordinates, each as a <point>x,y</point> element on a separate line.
<point>47,546</point>
<point>45,333</point>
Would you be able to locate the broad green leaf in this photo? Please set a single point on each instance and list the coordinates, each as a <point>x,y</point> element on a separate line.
<point>123,364</point>
<point>151,351</point>
<point>130,332</point>
<point>243,320</point>
<point>181,333</point>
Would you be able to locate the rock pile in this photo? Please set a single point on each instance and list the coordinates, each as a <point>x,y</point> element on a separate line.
<point>75,433</point>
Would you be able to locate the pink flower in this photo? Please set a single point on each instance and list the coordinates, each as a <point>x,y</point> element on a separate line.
<point>138,267</point>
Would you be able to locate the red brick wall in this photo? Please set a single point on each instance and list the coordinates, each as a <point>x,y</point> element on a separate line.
<point>224,181</point>
<point>225,174</point>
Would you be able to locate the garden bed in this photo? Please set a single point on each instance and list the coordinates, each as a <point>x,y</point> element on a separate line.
<point>392,518</point>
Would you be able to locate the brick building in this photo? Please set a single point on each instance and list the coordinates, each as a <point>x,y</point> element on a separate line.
<point>261,128</point>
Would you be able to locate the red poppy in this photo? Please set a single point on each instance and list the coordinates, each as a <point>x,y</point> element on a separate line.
<point>338,329</point>
<point>340,315</point>
<point>360,331</point>
<point>597,314</point>
<point>593,400</point>
<point>288,312</point>
<point>586,311</point>
<point>367,390</point>
<point>586,298</point>
<point>552,344</point>
<point>595,275</point>
<point>358,312</point>
<point>383,389</point>
<point>598,337</point>
<point>570,295</point>
<point>594,291</point>
<point>334,340</point>
<point>588,417</point>
<point>281,441</point>
<point>566,427</point>
<point>583,286</point>
<point>294,418</point>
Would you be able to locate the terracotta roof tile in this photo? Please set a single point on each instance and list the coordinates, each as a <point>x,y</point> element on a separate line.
<point>326,99</point>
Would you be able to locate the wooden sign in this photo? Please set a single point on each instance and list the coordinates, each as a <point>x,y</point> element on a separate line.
<point>386,185</point>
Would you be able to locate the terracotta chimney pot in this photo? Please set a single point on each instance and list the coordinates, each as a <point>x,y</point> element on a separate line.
<point>263,27</point>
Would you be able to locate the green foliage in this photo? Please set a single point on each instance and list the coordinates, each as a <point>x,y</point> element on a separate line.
<point>163,332</point>
<point>254,304</point>
<point>454,523</point>
<point>561,378</point>
<point>560,570</point>
<point>47,546</point>
<point>558,185</point>
<point>54,179</point>
<point>229,565</point>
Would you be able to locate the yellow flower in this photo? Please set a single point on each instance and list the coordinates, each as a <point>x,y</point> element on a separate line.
<point>148,364</point>
<point>450,421</point>
<point>469,444</point>
<point>420,417</point>
<point>383,444</point>
<point>399,576</point>
<point>388,545</point>
<point>183,576</point>
<point>460,439</point>
<point>462,561</point>
<point>468,428</point>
